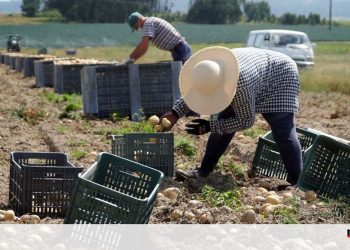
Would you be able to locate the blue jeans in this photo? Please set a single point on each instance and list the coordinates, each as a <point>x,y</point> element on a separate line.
<point>284,132</point>
<point>181,52</point>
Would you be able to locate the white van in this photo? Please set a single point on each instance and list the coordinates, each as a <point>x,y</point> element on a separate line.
<point>292,43</point>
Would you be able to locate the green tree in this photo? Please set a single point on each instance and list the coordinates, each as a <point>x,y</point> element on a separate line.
<point>214,12</point>
<point>314,19</point>
<point>288,18</point>
<point>302,19</point>
<point>102,10</point>
<point>257,11</point>
<point>30,7</point>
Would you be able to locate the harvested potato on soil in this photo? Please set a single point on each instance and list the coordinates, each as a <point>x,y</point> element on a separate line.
<point>171,193</point>
<point>30,218</point>
<point>9,215</point>
<point>310,195</point>
<point>269,210</point>
<point>273,199</point>
<point>249,216</point>
<point>176,214</point>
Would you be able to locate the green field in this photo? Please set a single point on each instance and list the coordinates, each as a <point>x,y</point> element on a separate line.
<point>77,35</point>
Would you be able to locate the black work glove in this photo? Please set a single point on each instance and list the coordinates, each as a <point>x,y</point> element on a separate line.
<point>198,127</point>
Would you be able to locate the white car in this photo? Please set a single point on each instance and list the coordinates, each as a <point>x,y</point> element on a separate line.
<point>292,43</point>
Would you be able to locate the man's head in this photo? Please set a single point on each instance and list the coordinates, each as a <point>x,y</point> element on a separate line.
<point>134,20</point>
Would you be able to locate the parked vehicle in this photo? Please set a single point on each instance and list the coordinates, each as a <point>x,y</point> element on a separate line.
<point>13,43</point>
<point>292,43</point>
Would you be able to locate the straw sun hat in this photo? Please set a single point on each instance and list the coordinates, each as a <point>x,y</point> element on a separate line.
<point>208,80</point>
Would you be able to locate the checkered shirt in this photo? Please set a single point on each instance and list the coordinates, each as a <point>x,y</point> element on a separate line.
<point>164,35</point>
<point>268,83</point>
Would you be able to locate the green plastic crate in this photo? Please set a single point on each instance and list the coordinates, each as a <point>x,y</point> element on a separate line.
<point>327,170</point>
<point>41,183</point>
<point>155,150</point>
<point>267,159</point>
<point>114,190</point>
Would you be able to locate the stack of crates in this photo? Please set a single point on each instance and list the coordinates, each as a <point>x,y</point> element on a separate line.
<point>114,190</point>
<point>28,64</point>
<point>19,60</point>
<point>127,89</point>
<point>41,183</point>
<point>12,60</point>
<point>7,58</point>
<point>155,150</point>
<point>67,77</point>
<point>267,159</point>
<point>327,170</point>
<point>43,71</point>
<point>2,57</point>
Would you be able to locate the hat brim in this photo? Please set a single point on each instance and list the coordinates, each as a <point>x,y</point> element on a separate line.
<point>219,99</point>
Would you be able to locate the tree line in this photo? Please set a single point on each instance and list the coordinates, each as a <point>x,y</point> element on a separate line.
<point>200,11</point>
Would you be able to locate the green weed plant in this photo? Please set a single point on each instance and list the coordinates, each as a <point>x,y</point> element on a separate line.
<point>231,198</point>
<point>185,145</point>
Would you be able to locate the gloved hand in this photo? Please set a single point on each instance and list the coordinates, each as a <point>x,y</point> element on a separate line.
<point>172,117</point>
<point>198,127</point>
<point>127,60</point>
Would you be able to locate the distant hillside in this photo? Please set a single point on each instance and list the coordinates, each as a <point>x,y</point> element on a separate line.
<point>7,7</point>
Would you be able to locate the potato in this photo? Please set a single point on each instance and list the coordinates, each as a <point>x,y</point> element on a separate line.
<point>171,193</point>
<point>166,123</point>
<point>176,214</point>
<point>310,195</point>
<point>273,199</point>
<point>287,196</point>
<point>158,128</point>
<point>259,199</point>
<point>9,215</point>
<point>189,215</point>
<point>262,190</point>
<point>269,210</point>
<point>30,218</point>
<point>262,208</point>
<point>153,120</point>
<point>249,216</point>
<point>206,218</point>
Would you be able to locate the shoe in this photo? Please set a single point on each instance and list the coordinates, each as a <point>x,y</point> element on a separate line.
<point>189,174</point>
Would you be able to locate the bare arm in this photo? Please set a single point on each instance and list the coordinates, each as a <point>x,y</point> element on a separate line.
<point>141,48</point>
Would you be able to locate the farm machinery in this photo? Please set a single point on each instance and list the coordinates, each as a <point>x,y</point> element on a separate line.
<point>13,43</point>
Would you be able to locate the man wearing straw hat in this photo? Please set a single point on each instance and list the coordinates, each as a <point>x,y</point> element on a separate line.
<point>236,85</point>
<point>161,33</point>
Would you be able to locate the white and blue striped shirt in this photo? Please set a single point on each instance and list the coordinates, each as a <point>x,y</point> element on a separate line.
<point>164,35</point>
<point>268,83</point>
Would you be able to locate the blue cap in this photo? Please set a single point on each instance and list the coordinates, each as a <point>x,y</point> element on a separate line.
<point>133,18</point>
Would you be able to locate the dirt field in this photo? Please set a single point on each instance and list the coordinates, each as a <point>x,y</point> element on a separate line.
<point>44,131</point>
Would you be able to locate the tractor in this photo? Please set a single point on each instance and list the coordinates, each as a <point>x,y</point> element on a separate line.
<point>13,43</point>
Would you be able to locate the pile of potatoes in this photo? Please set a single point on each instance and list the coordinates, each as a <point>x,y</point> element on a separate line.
<point>9,215</point>
<point>159,125</point>
<point>72,61</point>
